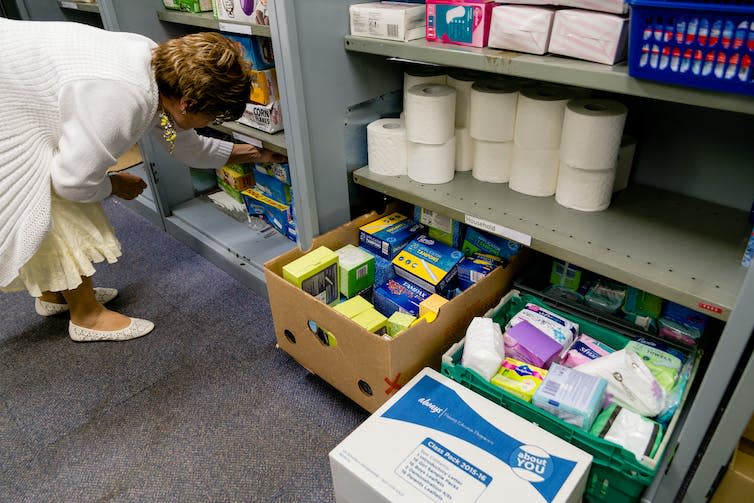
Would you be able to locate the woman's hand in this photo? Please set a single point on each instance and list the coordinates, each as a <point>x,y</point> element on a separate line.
<point>244,153</point>
<point>127,186</point>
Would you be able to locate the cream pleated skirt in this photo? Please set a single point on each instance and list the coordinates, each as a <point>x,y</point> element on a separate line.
<point>80,236</point>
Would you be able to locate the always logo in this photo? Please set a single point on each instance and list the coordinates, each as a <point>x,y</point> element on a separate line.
<point>434,409</point>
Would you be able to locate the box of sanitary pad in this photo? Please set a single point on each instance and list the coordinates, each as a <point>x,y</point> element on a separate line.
<point>437,441</point>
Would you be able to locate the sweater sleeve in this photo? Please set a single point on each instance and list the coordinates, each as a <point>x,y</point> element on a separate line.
<point>195,150</point>
<point>100,119</point>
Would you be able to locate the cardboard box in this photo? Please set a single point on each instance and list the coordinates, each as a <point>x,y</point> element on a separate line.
<point>388,236</point>
<point>258,50</point>
<point>267,118</point>
<point>280,171</point>
<point>429,264</point>
<point>739,479</point>
<point>278,215</point>
<point>264,86</point>
<point>234,179</point>
<point>521,28</point>
<point>392,21</point>
<point>356,270</point>
<point>438,441</point>
<point>188,5</point>
<point>273,188</point>
<point>749,431</point>
<point>316,273</point>
<point>460,22</point>
<point>439,227</point>
<point>592,36</point>
<point>365,367</point>
<point>240,11</point>
<point>616,6</point>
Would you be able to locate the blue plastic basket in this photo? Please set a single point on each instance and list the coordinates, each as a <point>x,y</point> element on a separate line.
<point>704,43</point>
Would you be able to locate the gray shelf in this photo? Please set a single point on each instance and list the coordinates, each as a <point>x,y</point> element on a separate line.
<point>548,68</point>
<point>207,20</point>
<point>683,249</point>
<point>82,6</point>
<point>274,141</point>
<point>231,245</point>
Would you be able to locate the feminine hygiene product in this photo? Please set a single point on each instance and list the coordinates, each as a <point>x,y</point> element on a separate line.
<point>526,342</point>
<point>584,349</point>
<point>558,328</point>
<point>519,378</point>
<point>628,429</point>
<point>574,397</point>
<point>483,349</point>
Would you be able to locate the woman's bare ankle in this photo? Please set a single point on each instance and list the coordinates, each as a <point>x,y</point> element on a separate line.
<point>104,320</point>
<point>53,297</point>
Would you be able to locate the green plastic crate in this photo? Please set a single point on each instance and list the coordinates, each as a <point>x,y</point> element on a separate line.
<point>616,476</point>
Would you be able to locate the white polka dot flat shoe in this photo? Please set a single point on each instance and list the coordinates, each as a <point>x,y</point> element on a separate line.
<point>44,308</point>
<point>136,328</point>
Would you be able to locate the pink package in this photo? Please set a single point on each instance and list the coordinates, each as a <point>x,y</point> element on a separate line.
<point>615,6</point>
<point>584,349</point>
<point>593,36</point>
<point>461,22</point>
<point>525,342</point>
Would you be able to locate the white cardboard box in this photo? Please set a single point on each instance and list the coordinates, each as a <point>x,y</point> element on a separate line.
<point>522,28</point>
<point>436,441</point>
<point>593,36</point>
<point>615,6</point>
<point>392,20</point>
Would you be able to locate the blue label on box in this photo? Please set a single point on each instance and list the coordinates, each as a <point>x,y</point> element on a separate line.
<point>273,188</point>
<point>386,238</point>
<point>399,294</point>
<point>478,241</point>
<point>433,405</point>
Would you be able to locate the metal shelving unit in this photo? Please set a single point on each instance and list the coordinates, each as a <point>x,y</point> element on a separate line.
<point>81,6</point>
<point>207,20</point>
<point>636,241</point>
<point>548,68</point>
<point>270,141</point>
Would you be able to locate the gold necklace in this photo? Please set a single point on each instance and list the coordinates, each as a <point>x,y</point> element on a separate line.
<point>168,129</point>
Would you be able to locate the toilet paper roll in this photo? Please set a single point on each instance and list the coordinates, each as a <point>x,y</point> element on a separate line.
<point>462,80</point>
<point>432,163</point>
<point>430,113</point>
<point>534,171</point>
<point>422,74</point>
<point>492,161</point>
<point>584,189</point>
<point>464,149</point>
<point>539,118</point>
<point>493,110</point>
<point>386,142</point>
<point>624,163</point>
<point>592,133</point>
<point>355,133</point>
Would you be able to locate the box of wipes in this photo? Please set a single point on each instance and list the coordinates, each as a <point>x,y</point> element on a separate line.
<point>438,441</point>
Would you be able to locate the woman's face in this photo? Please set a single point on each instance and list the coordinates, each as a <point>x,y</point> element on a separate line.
<point>187,120</point>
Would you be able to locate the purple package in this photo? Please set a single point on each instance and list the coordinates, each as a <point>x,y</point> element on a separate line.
<point>525,342</point>
<point>584,349</point>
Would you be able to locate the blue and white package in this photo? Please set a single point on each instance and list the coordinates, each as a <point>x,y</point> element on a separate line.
<point>389,235</point>
<point>472,269</point>
<point>281,171</point>
<point>258,50</point>
<point>383,268</point>
<point>573,396</point>
<point>400,295</point>
<point>479,241</point>
<point>428,263</point>
<point>436,440</point>
<point>273,188</point>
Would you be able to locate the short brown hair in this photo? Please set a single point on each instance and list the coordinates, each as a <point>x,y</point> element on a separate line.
<point>206,68</point>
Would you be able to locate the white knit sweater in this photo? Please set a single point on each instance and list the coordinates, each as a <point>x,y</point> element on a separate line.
<point>73,98</point>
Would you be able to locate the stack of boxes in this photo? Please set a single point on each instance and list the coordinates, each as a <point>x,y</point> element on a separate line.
<point>270,198</point>
<point>402,272</point>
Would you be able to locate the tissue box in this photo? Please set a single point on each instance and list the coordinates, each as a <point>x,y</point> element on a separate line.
<point>392,21</point>
<point>615,6</point>
<point>462,22</point>
<point>439,227</point>
<point>316,273</point>
<point>264,86</point>
<point>428,263</point>
<point>571,395</point>
<point>521,28</point>
<point>268,118</point>
<point>280,171</point>
<point>592,36</point>
<point>258,50</point>
<point>372,321</point>
<point>388,236</point>
<point>523,341</point>
<point>438,441</point>
<point>479,241</point>
<point>356,270</point>
<point>240,11</point>
<point>399,295</point>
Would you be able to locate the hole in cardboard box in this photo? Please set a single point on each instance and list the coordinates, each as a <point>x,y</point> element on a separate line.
<point>365,388</point>
<point>322,336</point>
<point>289,335</point>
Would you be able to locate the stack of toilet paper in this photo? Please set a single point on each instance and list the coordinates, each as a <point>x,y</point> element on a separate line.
<point>492,124</point>
<point>462,80</point>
